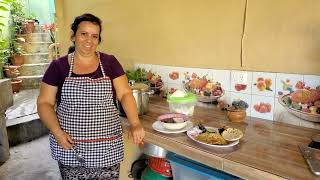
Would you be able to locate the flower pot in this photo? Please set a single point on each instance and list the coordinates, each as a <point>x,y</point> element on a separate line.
<point>12,72</point>
<point>237,115</point>
<point>16,85</point>
<point>17,60</point>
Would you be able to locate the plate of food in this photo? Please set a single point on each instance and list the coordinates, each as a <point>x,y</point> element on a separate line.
<point>172,123</point>
<point>211,137</point>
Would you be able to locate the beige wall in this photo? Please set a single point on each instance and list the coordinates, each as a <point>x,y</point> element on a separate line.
<point>280,35</point>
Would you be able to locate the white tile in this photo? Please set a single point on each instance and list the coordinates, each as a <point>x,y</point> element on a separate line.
<point>258,101</point>
<point>241,78</point>
<point>263,83</point>
<point>162,71</point>
<point>147,67</point>
<point>280,114</point>
<point>285,83</point>
<point>174,86</point>
<point>309,124</point>
<point>226,98</point>
<point>223,77</point>
<point>244,97</point>
<point>311,81</point>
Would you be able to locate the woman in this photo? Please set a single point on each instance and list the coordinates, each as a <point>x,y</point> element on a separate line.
<point>84,85</point>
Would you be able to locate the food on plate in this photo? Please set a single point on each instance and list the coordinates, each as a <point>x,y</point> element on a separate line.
<point>211,138</point>
<point>178,93</point>
<point>232,134</point>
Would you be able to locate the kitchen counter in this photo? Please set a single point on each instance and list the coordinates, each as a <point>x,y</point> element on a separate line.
<point>268,150</point>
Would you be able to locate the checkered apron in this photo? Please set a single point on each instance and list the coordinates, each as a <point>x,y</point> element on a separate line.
<point>87,112</point>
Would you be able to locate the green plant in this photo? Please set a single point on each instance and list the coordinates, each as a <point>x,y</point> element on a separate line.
<point>4,51</point>
<point>138,75</point>
<point>18,17</point>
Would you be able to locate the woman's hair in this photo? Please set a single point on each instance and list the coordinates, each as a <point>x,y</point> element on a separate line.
<point>85,17</point>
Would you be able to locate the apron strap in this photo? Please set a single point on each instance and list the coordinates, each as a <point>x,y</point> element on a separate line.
<point>71,60</point>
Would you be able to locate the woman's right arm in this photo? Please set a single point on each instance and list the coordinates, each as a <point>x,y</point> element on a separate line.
<point>45,105</point>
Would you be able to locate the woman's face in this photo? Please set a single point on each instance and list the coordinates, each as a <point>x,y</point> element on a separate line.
<point>87,38</point>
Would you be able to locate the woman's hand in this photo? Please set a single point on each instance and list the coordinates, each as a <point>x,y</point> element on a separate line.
<point>137,133</point>
<point>64,139</point>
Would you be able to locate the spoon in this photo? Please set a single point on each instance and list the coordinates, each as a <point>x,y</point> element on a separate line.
<point>78,156</point>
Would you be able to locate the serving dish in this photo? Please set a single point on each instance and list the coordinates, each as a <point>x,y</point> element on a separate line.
<point>303,115</point>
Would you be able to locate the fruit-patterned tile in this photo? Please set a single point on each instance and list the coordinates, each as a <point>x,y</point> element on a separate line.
<point>241,81</point>
<point>172,87</point>
<point>311,81</point>
<point>226,98</point>
<point>263,83</point>
<point>262,107</point>
<point>286,83</point>
<point>281,114</point>
<point>234,96</point>
<point>163,71</point>
<point>175,75</point>
<point>223,77</point>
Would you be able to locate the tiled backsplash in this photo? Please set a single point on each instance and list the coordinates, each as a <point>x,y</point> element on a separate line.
<point>259,89</point>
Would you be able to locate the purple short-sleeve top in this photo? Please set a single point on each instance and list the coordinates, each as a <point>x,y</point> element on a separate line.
<point>58,70</point>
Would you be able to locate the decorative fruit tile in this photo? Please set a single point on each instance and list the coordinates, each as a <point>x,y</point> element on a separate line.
<point>262,107</point>
<point>286,83</point>
<point>223,77</point>
<point>244,97</point>
<point>263,83</point>
<point>175,74</point>
<point>280,114</point>
<point>311,81</point>
<point>241,81</point>
<point>172,87</point>
<point>163,71</point>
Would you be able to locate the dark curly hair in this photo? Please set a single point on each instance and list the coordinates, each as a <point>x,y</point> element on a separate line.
<point>85,17</point>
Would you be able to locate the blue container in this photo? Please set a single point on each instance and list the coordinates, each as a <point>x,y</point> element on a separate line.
<point>186,169</point>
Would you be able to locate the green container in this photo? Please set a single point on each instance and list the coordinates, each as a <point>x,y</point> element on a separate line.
<point>184,105</point>
<point>149,174</point>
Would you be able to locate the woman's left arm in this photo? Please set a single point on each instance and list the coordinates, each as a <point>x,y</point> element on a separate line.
<point>125,96</point>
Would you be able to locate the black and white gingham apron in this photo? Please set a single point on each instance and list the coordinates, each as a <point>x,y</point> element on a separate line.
<point>87,112</point>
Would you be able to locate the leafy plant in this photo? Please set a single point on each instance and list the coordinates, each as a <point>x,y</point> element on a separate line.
<point>138,75</point>
<point>4,51</point>
<point>18,17</point>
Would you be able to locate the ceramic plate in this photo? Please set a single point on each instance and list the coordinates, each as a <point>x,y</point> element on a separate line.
<point>193,133</point>
<point>158,127</point>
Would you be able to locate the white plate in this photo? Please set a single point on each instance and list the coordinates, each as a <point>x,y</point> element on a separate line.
<point>158,127</point>
<point>190,134</point>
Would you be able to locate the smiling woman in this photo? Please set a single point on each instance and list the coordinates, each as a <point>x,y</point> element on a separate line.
<point>85,84</point>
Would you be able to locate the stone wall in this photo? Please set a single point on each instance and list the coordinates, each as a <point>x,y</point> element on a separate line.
<point>6,100</point>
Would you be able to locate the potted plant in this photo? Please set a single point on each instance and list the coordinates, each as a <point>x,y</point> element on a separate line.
<point>18,17</point>
<point>16,53</point>
<point>237,111</point>
<point>29,24</point>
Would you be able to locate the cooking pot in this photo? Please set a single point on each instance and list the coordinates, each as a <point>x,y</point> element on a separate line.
<point>141,93</point>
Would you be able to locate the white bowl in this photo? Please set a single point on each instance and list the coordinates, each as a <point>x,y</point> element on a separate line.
<point>175,125</point>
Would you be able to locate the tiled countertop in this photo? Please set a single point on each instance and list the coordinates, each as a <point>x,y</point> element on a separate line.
<point>268,150</point>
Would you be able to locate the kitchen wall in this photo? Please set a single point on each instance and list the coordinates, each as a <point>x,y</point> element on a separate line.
<point>262,91</point>
<point>255,35</point>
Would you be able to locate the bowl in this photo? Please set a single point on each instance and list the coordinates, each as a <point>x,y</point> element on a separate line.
<point>303,115</point>
<point>154,150</point>
<point>232,134</point>
<point>173,121</point>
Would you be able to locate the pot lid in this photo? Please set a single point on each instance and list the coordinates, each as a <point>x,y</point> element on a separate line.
<point>189,97</point>
<point>139,86</point>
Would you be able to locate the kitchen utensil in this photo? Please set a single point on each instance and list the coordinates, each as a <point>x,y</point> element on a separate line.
<point>77,155</point>
<point>308,154</point>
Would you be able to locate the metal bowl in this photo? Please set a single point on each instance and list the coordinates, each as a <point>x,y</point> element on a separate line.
<point>154,150</point>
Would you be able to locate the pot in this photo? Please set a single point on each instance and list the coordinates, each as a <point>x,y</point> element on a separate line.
<point>154,150</point>
<point>141,94</point>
